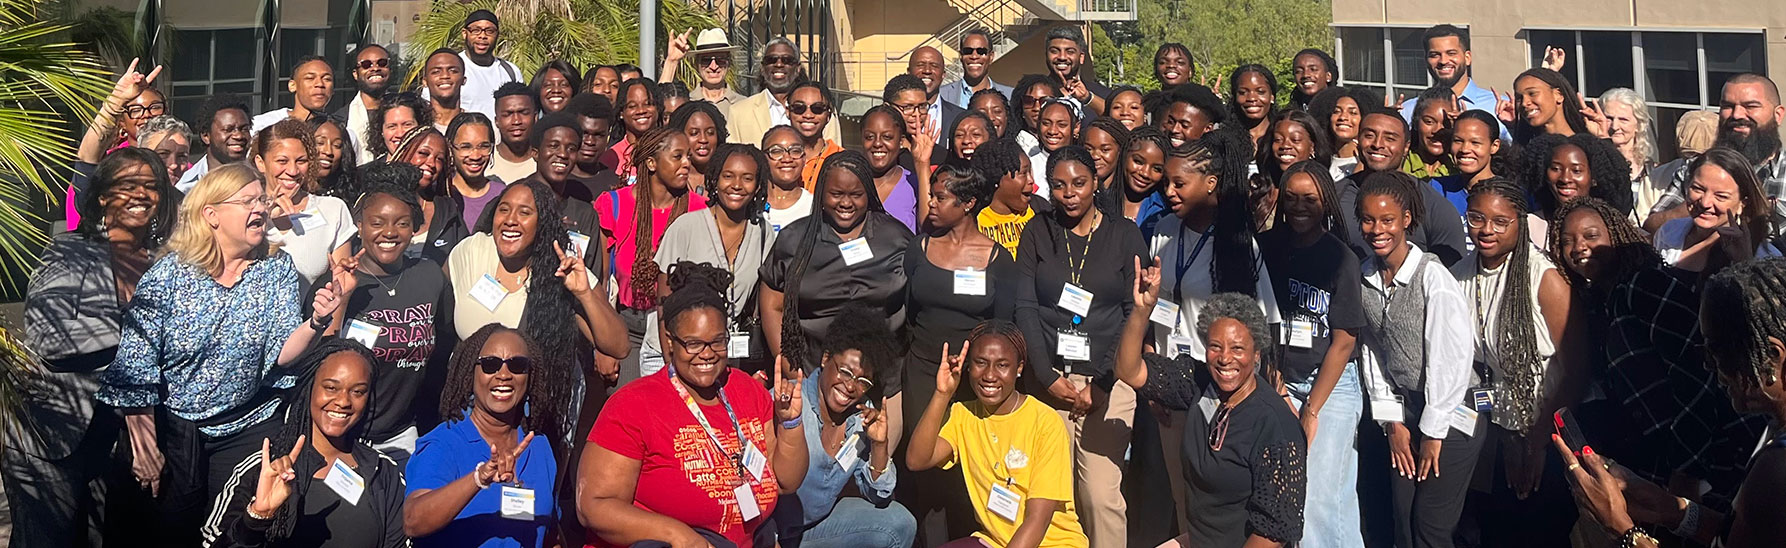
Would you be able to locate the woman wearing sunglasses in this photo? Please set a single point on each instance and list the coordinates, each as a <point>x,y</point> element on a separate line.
<point>809,111</point>
<point>465,472</point>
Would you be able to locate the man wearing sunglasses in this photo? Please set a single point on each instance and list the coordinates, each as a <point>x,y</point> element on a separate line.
<point>778,71</point>
<point>484,72</point>
<point>713,63</point>
<point>976,58</point>
<point>371,76</point>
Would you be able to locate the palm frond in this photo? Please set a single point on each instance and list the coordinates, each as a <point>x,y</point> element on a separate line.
<point>584,32</point>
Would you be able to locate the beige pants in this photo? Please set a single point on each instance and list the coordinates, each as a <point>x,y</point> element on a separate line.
<point>1172,449</point>
<point>1100,442</point>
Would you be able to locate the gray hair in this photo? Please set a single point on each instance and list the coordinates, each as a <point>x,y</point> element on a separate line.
<point>1644,143</point>
<point>779,40</point>
<point>1068,32</point>
<point>162,124</point>
<point>1241,308</point>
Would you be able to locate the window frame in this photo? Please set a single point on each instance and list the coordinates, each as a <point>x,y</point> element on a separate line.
<point>1639,66</point>
<point>210,82</point>
<point>1387,48</point>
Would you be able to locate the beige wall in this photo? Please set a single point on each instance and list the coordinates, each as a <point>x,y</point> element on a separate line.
<point>1500,49</point>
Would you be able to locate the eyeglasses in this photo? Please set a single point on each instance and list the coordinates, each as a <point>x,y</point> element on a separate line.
<point>483,31</point>
<point>910,109</point>
<point>976,51</point>
<point>1218,433</point>
<point>860,381</point>
<point>469,147</point>
<point>518,365</point>
<point>799,109</point>
<point>263,201</point>
<point>779,152</point>
<point>139,112</point>
<point>788,60</point>
<point>696,348</point>
<point>1477,221</point>
<point>720,60</point>
<point>380,63</point>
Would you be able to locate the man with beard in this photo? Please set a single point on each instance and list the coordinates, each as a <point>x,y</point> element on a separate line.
<point>371,75</point>
<point>779,71</point>
<point>484,72</point>
<point>926,65</point>
<point>976,57</point>
<point>1448,62</point>
<point>225,125</point>
<point>1383,140</point>
<point>1749,114</point>
<point>312,84</point>
<point>1065,54</point>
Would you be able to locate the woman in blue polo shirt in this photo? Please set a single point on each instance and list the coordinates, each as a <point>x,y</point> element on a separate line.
<point>466,472</point>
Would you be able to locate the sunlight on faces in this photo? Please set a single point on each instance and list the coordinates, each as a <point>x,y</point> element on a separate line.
<point>398,120</point>
<point>845,200</point>
<point>1071,185</point>
<point>287,164</point>
<point>515,116</point>
<point>993,109</point>
<point>1301,205</point>
<point>973,65</point>
<point>1430,122</point>
<point>1567,175</point>
<point>639,112</point>
<point>1623,120</point>
<point>340,394</point>
<point>555,90</point>
<point>175,150</point>
<point>386,226</point>
<point>811,124</point>
<point>1254,96</point>
<point>881,137</point>
<point>1586,243</point>
<point>1291,143</point>
<point>970,135</point>
<point>671,164</point>
<point>1184,123</point>
<point>697,342</point>
<point>504,391</point>
<point>991,370</point>
<point>242,218</point>
<point>785,169</point>
<point>593,138</point>
<point>1056,128</point>
<point>1537,101</point>
<point>515,223</point>
<point>133,198</point>
<point>430,155</point>
<point>1499,233</point>
<point>1064,56</point>
<point>1032,104</point>
<point>1310,73</point>
<point>312,84</point>
<point>946,209</point>
<point>1384,224</point>
<point>605,82</point>
<point>1447,60</point>
<point>331,144</point>
<point>1171,67</point>
<point>1146,166</point>
<point>1126,107</point>
<point>1345,120</point>
<point>1473,146</point>
<point>445,74</point>
<point>737,183</point>
<point>914,106</point>
<point>703,136</point>
<point>1713,198</point>
<point>1383,142</point>
<point>227,138</point>
<point>1230,354</point>
<point>1189,187</point>
<point>472,148</point>
<point>842,390</point>
<point>557,155</point>
<point>1104,151</point>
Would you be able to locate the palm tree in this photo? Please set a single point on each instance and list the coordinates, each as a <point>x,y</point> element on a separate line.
<point>584,32</point>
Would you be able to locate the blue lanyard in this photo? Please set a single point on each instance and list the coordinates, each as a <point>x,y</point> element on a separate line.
<point>1182,264</point>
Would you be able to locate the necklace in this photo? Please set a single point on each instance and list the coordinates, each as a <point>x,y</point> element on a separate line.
<point>390,291</point>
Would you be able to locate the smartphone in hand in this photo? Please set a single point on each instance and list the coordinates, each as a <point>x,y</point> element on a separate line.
<point>1570,430</point>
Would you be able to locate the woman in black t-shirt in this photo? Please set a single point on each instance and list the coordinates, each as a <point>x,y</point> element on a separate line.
<point>957,279</point>
<point>1245,457</point>
<point>1318,288</point>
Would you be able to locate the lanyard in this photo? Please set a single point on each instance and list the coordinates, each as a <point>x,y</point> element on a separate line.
<point>1182,264</point>
<point>737,460</point>
<point>1073,272</point>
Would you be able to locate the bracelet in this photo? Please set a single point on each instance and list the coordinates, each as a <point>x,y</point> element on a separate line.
<point>255,515</point>
<point>1689,521</point>
<point>478,479</point>
<point>319,326</point>
<point>791,424</point>
<point>1632,535</point>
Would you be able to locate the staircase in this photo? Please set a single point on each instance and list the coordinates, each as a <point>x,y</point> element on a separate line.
<point>1010,22</point>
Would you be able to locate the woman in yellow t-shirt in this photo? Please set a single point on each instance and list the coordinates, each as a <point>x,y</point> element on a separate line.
<point>1012,451</point>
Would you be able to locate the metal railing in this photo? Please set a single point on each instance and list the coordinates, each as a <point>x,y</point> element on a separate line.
<point>752,23</point>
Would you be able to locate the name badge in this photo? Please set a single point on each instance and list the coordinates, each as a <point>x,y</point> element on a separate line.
<point>1075,299</point>
<point>1176,344</point>
<point>754,461</point>
<point>970,282</point>
<point>345,482</point>
<point>1004,502</point>
<point>738,346</point>
<point>311,220</point>
<point>517,503</point>
<point>1483,398</point>
<point>579,244</point>
<point>855,251</point>
<point>848,455</point>
<point>488,292</point>
<point>747,502</point>
<point>1165,313</point>
<point>362,332</point>
<point>1073,347</point>
<point>1302,334</point>
<point>1463,418</point>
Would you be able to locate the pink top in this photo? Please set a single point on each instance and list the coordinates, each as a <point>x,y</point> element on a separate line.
<point>617,223</point>
<point>72,213</point>
<point>620,155</point>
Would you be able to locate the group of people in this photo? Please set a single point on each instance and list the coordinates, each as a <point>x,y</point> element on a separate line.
<point>647,315</point>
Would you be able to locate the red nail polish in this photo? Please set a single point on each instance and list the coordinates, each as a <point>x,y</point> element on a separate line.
<point>1587,450</point>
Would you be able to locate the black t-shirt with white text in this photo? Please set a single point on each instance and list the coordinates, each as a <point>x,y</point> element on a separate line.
<point>1318,285</point>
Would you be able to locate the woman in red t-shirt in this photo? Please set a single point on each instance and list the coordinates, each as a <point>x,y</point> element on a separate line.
<point>666,462</point>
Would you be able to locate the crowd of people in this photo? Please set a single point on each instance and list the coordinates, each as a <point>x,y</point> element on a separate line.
<point>591,308</point>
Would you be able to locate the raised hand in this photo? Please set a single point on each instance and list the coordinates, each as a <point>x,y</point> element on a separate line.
<point>924,143</point>
<point>1504,107</point>
<point>1076,89</point>
<point>274,485</point>
<point>501,466</point>
<point>948,370</point>
<point>1555,58</point>
<point>1147,283</point>
<point>677,48</point>
<point>327,301</point>
<point>1598,124</point>
<point>787,391</point>
<point>131,85</point>
<point>342,270</point>
<point>572,271</point>
<point>874,424</point>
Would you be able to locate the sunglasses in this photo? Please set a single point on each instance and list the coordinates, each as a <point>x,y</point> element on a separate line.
<point>716,60</point>
<point>518,365</point>
<point>976,51</point>
<point>369,63</point>
<point>818,109</point>
<point>781,60</point>
<point>1218,432</point>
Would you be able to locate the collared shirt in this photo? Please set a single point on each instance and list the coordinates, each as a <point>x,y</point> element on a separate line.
<point>809,174</point>
<point>358,117</point>
<point>723,103</point>
<point>454,449</point>
<point>1423,171</point>
<point>935,111</point>
<point>1773,183</point>
<point>190,178</point>
<point>778,113</point>
<point>1450,346</point>
<point>201,349</point>
<point>826,474</point>
<point>1474,98</point>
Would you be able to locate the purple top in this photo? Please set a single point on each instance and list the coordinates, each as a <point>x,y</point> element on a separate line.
<point>475,206</point>
<point>902,204</point>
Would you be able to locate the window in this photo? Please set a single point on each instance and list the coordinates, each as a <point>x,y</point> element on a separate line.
<point>1677,72</point>
<point>295,44</point>
<point>214,62</point>
<point>1390,60</point>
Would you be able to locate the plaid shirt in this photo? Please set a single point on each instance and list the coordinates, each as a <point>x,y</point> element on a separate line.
<point>1773,183</point>
<point>1677,417</point>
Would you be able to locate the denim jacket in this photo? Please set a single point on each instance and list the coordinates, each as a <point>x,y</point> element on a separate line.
<point>825,479</point>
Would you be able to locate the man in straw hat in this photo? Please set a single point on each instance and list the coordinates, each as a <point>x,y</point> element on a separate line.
<point>713,63</point>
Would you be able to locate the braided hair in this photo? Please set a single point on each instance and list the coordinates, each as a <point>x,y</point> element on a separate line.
<point>297,424</point>
<point>1112,126</point>
<point>548,305</point>
<point>617,124</point>
<point>1106,197</point>
<point>793,338</point>
<point>694,286</point>
<point>1757,288</point>
<point>1110,199</point>
<point>1515,338</point>
<point>1320,142</point>
<point>1330,209</point>
<point>1631,248</point>
<point>1234,111</point>
<point>643,281</point>
<point>1224,154</point>
<point>456,395</point>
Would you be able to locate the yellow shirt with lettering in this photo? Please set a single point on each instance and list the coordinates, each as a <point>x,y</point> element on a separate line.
<point>1026,451</point>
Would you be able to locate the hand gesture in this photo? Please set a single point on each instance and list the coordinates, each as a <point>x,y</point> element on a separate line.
<point>130,86</point>
<point>874,425</point>
<point>677,48</point>
<point>501,466</point>
<point>1076,89</point>
<point>341,271</point>
<point>924,144</point>
<point>1429,458</point>
<point>1401,456</point>
<point>282,206</point>
<point>1734,241</point>
<point>948,370</point>
<point>1598,124</point>
<point>1505,110</point>
<point>1147,283</point>
<point>327,301</point>
<point>274,485</point>
<point>1554,58</point>
<point>572,271</point>
<point>787,391</point>
<point>1597,489</point>
<point>1397,103</point>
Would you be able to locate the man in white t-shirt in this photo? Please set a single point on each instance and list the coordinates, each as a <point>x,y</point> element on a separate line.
<point>312,83</point>
<point>371,76</point>
<point>484,72</point>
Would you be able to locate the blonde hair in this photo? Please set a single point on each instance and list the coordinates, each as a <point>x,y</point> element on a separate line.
<point>1644,142</point>
<point>289,129</point>
<point>194,241</point>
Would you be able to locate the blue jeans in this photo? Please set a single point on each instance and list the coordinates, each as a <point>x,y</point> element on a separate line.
<point>857,523</point>
<point>1330,513</point>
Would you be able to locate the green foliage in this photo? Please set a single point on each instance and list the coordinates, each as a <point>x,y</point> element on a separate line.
<point>583,32</point>
<point>1221,34</point>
